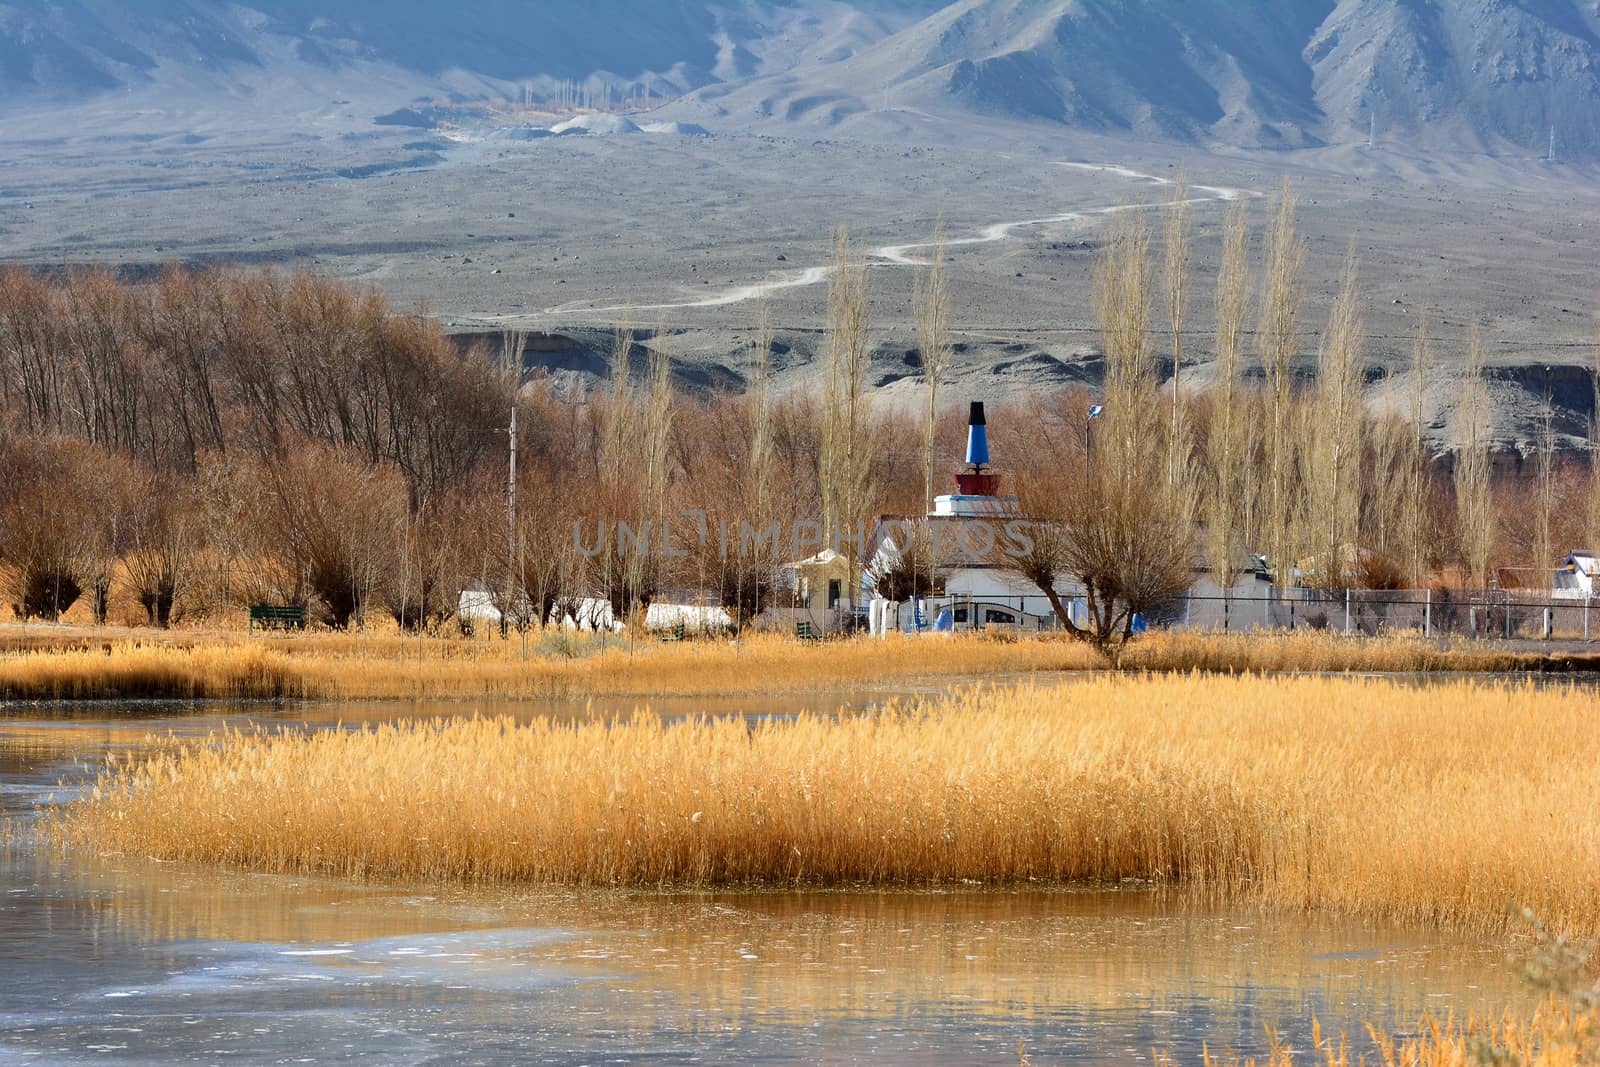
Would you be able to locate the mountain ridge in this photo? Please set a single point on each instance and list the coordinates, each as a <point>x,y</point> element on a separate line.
<point>1480,75</point>
<point>1493,76</point>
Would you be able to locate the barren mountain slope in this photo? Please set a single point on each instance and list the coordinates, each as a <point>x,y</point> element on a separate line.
<point>1494,75</point>
<point>1473,75</point>
<point>66,52</point>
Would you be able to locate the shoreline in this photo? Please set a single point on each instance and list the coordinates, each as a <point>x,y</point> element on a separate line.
<point>66,665</point>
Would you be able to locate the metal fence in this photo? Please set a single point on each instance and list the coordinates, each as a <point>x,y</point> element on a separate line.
<point>1480,613</point>
<point>1499,614</point>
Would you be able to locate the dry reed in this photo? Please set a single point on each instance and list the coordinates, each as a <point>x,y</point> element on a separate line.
<point>1554,1036</point>
<point>1435,804</point>
<point>338,666</point>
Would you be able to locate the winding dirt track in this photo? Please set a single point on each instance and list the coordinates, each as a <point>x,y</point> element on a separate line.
<point>905,255</point>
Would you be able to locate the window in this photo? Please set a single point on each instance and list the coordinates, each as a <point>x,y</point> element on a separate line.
<point>1005,617</point>
<point>833,593</point>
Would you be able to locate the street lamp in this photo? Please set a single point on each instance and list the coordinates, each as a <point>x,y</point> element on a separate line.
<point>1095,411</point>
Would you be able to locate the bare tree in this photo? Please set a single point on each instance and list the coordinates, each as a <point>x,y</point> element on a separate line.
<point>759,416</point>
<point>1474,507</point>
<point>549,569</point>
<point>422,587</point>
<point>165,537</point>
<point>932,301</point>
<point>513,344</point>
<point>39,527</point>
<point>747,565</point>
<point>1123,291</point>
<point>63,523</point>
<point>1416,497</point>
<point>1593,517</point>
<point>846,460</point>
<point>175,322</point>
<point>1123,532</point>
<point>907,571</point>
<point>1176,277</point>
<point>336,519</point>
<point>1544,492</point>
<point>1280,309</point>
<point>1383,508</point>
<point>1126,544</point>
<point>1130,549</point>
<point>619,417</point>
<point>1338,481</point>
<point>618,497</point>
<point>100,481</point>
<point>32,374</point>
<point>648,566</point>
<point>1229,455</point>
<point>1049,482</point>
<point>658,427</point>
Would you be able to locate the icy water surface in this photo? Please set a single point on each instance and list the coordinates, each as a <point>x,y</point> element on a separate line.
<point>126,961</point>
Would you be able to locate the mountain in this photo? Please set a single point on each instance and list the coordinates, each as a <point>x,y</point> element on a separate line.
<point>1477,75</point>
<point>54,51</point>
<point>1494,75</point>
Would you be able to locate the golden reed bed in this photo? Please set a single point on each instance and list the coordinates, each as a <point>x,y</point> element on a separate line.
<point>1558,1035</point>
<point>1429,804</point>
<point>336,666</point>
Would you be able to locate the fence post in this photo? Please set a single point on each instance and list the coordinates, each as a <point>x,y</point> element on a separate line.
<point>1427,614</point>
<point>1347,613</point>
<point>1508,614</point>
<point>1549,623</point>
<point>1266,608</point>
<point>1586,616</point>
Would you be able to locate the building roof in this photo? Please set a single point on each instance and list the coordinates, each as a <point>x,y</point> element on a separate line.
<point>826,558</point>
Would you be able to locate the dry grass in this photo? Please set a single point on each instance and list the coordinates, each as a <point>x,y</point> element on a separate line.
<point>1318,651</point>
<point>340,666</point>
<point>1554,1036</point>
<point>1436,804</point>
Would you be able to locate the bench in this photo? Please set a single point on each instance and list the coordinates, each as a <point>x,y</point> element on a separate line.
<point>806,632</point>
<point>277,617</point>
<point>679,632</point>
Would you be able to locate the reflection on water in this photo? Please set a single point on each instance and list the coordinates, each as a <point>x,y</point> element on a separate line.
<point>134,961</point>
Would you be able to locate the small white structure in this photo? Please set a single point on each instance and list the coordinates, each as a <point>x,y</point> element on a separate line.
<point>594,614</point>
<point>822,583</point>
<point>476,604</point>
<point>587,614</point>
<point>1575,579</point>
<point>695,618</point>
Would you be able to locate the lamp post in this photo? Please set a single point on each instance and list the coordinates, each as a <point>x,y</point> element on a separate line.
<point>1095,411</point>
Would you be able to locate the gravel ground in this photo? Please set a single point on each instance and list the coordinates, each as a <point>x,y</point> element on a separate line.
<point>556,235</point>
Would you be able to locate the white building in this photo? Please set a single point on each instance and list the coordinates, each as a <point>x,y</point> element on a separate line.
<point>1575,579</point>
<point>969,538</point>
